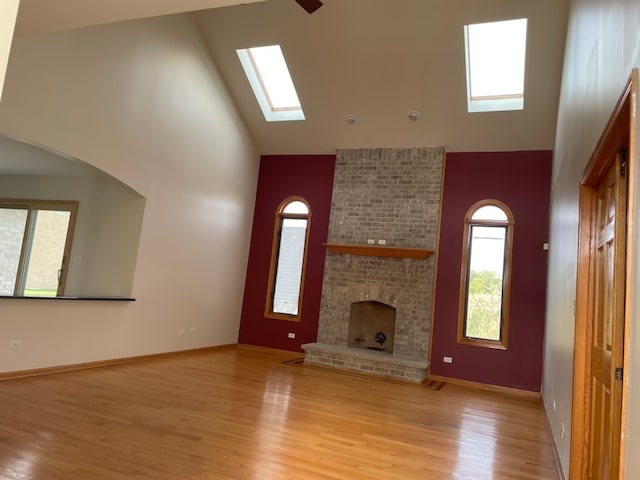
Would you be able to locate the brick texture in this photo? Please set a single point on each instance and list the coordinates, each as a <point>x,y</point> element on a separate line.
<point>390,194</point>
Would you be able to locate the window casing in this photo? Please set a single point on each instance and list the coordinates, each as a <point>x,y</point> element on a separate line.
<point>35,241</point>
<point>485,281</point>
<point>288,260</point>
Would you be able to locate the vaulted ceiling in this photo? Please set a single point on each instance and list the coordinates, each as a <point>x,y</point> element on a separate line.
<point>374,59</point>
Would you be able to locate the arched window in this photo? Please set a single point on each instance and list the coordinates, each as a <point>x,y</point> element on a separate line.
<point>483,312</point>
<point>288,259</point>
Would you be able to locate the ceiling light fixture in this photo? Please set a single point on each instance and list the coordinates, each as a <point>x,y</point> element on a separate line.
<point>351,119</point>
<point>413,115</point>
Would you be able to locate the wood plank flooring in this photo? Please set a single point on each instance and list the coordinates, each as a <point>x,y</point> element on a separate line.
<point>241,413</point>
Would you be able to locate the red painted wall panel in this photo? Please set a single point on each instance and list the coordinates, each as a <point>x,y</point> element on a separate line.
<point>522,181</point>
<point>281,176</point>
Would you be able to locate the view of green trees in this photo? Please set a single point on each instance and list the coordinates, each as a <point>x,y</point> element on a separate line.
<point>484,305</point>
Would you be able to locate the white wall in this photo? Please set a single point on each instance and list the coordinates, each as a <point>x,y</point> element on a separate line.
<point>106,264</point>
<point>141,101</point>
<point>602,48</point>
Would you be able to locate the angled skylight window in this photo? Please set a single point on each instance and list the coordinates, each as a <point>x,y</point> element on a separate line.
<point>495,56</point>
<point>267,72</point>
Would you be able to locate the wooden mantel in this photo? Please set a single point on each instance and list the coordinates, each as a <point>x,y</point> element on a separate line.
<point>379,251</point>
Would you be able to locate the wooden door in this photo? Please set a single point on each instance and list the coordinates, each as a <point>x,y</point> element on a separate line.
<point>608,323</point>
<point>600,398</point>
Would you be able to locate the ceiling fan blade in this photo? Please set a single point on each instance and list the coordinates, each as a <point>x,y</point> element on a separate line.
<point>310,5</point>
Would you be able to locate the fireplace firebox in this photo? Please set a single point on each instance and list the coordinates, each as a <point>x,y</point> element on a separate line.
<point>372,326</point>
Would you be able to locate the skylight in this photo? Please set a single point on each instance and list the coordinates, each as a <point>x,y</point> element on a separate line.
<point>267,72</point>
<point>495,55</point>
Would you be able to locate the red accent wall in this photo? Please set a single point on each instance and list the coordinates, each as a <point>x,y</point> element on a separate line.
<point>522,181</point>
<point>281,176</point>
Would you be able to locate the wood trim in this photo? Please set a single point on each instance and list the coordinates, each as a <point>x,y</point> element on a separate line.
<point>436,263</point>
<point>27,203</point>
<point>273,264</point>
<point>503,343</point>
<point>379,251</point>
<point>486,387</point>
<point>632,262</point>
<point>479,342</point>
<point>68,244</point>
<point>582,338</point>
<point>613,137</point>
<point>38,372</point>
<point>617,127</point>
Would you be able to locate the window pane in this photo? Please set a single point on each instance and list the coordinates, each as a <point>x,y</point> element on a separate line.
<point>12,224</point>
<point>489,212</point>
<point>497,58</point>
<point>45,253</point>
<point>296,207</point>
<point>273,71</point>
<point>289,271</point>
<point>486,273</point>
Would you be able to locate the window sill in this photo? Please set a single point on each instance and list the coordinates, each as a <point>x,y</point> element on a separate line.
<point>282,316</point>
<point>496,345</point>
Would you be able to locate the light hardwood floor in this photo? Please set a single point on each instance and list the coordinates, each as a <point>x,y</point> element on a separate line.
<point>241,413</point>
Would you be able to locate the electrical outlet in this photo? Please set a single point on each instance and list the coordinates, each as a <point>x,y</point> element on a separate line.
<point>182,332</point>
<point>15,344</point>
<point>291,335</point>
<point>447,359</point>
<point>192,331</point>
<point>371,241</point>
<point>382,242</point>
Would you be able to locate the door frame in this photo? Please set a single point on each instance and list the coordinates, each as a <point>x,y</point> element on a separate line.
<point>619,132</point>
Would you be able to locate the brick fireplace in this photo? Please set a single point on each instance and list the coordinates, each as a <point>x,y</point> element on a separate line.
<point>385,211</point>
